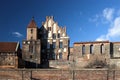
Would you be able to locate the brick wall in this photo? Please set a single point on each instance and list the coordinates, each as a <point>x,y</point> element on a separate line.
<point>116,50</point>
<point>55,74</point>
<point>60,64</point>
<point>95,55</point>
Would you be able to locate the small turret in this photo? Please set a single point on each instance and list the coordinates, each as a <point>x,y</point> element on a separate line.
<point>32,30</point>
<point>32,24</point>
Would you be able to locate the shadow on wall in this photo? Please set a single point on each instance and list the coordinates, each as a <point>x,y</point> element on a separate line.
<point>43,36</point>
<point>29,64</point>
<point>97,64</point>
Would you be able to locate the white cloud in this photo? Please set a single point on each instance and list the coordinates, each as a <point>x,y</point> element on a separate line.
<point>102,38</point>
<point>113,17</point>
<point>17,34</point>
<point>108,13</point>
<point>94,18</point>
<point>113,31</point>
<point>104,17</point>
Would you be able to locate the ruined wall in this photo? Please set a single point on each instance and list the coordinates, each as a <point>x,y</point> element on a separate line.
<point>115,63</point>
<point>63,64</point>
<point>8,60</point>
<point>116,49</point>
<point>90,56</point>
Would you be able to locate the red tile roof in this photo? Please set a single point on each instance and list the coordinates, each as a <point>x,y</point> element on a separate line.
<point>32,24</point>
<point>8,46</point>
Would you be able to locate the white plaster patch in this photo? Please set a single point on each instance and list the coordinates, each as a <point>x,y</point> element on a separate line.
<point>48,40</point>
<point>54,40</point>
<point>63,34</point>
<point>50,23</point>
<point>59,51</point>
<point>55,28</point>
<point>24,42</point>
<point>65,49</point>
<point>28,42</point>
<point>59,31</point>
<point>61,40</point>
<point>49,34</point>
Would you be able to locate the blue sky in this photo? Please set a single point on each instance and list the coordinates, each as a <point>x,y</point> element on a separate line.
<point>86,20</point>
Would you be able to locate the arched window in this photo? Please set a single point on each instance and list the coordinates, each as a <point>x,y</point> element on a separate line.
<point>60,44</point>
<point>48,45</point>
<point>58,35</point>
<point>53,56</point>
<point>60,55</point>
<point>83,49</point>
<point>54,44</point>
<point>31,48</point>
<point>102,49</point>
<point>54,36</point>
<point>31,31</point>
<point>91,49</point>
<point>49,28</point>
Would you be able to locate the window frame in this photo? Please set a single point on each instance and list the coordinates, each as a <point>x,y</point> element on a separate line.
<point>54,45</point>
<point>83,49</point>
<point>102,48</point>
<point>91,49</point>
<point>60,55</point>
<point>58,35</point>
<point>31,31</point>
<point>54,36</point>
<point>60,44</point>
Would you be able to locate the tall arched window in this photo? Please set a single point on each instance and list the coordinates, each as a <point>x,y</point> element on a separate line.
<point>102,49</point>
<point>60,55</point>
<point>58,35</point>
<point>48,45</point>
<point>54,44</point>
<point>83,49</point>
<point>54,56</point>
<point>31,48</point>
<point>31,31</point>
<point>91,49</point>
<point>60,44</point>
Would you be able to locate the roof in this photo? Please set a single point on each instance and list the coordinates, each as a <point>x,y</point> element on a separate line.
<point>92,42</point>
<point>8,46</point>
<point>32,24</point>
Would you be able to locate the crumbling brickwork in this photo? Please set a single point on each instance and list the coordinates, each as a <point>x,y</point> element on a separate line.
<point>55,74</point>
<point>88,54</point>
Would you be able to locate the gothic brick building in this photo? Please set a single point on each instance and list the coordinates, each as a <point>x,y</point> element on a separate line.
<point>31,47</point>
<point>54,42</point>
<point>46,44</point>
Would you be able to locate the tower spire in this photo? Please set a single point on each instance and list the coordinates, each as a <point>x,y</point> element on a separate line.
<point>33,18</point>
<point>32,23</point>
